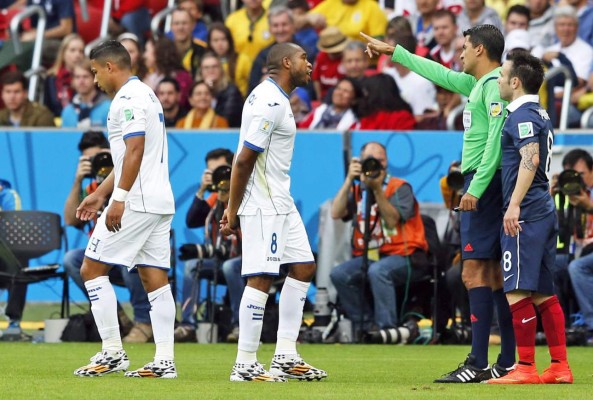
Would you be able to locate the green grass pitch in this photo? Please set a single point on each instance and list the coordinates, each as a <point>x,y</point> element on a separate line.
<point>44,371</point>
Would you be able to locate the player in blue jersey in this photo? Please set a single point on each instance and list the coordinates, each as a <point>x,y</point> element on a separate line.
<point>528,237</point>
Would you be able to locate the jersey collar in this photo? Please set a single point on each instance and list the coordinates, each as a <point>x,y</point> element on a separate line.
<point>518,102</point>
<point>278,86</point>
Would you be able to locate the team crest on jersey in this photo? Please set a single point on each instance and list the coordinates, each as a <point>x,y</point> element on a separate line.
<point>129,114</point>
<point>525,130</point>
<point>265,126</point>
<point>496,108</point>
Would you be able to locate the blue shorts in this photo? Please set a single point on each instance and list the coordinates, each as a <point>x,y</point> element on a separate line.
<point>480,229</point>
<point>528,258</point>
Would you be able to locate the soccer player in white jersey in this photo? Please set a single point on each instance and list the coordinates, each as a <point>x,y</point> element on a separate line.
<point>273,231</point>
<point>133,232</point>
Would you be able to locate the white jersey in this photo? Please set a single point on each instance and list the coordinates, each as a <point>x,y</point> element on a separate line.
<point>268,127</point>
<point>135,110</point>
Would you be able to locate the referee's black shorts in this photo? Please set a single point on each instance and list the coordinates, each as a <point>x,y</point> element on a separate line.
<point>480,230</point>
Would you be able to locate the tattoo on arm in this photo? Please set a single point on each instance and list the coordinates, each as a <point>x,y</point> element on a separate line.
<point>527,153</point>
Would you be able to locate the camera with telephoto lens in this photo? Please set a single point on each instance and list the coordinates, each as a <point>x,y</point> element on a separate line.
<point>203,251</point>
<point>221,178</point>
<point>570,182</point>
<point>101,166</point>
<point>371,167</point>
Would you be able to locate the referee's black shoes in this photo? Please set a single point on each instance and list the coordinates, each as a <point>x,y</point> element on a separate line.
<point>468,373</point>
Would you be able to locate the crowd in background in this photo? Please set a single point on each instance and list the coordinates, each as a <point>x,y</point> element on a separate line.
<point>205,66</point>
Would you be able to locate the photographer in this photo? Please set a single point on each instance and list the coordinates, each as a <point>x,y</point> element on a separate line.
<point>579,164</point>
<point>397,246</point>
<point>95,164</point>
<point>216,248</point>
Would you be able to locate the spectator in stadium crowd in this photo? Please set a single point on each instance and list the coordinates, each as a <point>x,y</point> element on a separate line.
<point>541,22</point>
<point>355,62</point>
<point>190,50</point>
<point>422,25</point>
<point>132,16</point>
<point>18,111</point>
<point>476,13</point>
<point>584,10</point>
<point>306,35</point>
<point>397,240</point>
<point>399,25</point>
<point>169,95</point>
<point>201,115</point>
<point>282,29</point>
<point>327,68</point>
<point>249,27</point>
<point>229,102</point>
<point>89,106</point>
<point>60,22</point>
<point>163,60</point>
<point>342,112</point>
<point>502,7</point>
<point>206,213</point>
<point>58,85</point>
<point>132,45</point>
<point>576,50</point>
<point>382,106</point>
<point>91,144</point>
<point>351,17</point>
<point>237,66</point>
<point>581,269</point>
<point>517,18</point>
<point>449,42</point>
<point>17,292</point>
<point>417,91</point>
<point>300,104</point>
<point>195,8</point>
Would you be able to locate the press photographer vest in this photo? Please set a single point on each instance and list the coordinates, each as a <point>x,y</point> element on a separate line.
<point>402,240</point>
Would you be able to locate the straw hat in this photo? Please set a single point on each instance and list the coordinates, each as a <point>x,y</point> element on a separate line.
<point>331,40</point>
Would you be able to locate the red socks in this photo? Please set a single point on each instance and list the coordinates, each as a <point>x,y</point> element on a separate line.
<point>553,323</point>
<point>525,325</point>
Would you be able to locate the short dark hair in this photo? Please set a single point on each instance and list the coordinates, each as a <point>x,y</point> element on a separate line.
<point>11,77</point>
<point>406,41</point>
<point>168,79</point>
<point>519,9</point>
<point>444,13</point>
<point>92,139</point>
<point>220,152</point>
<point>114,51</point>
<point>528,69</point>
<point>573,157</point>
<point>488,36</point>
<point>277,53</point>
<point>294,4</point>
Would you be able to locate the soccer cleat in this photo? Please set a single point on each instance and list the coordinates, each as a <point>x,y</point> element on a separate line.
<point>252,373</point>
<point>498,371</point>
<point>466,373</point>
<point>293,367</point>
<point>164,369</point>
<point>105,362</point>
<point>557,373</point>
<point>521,375</point>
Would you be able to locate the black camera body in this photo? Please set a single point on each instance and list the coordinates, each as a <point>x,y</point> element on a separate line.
<point>570,182</point>
<point>101,165</point>
<point>371,167</point>
<point>204,251</point>
<point>220,176</point>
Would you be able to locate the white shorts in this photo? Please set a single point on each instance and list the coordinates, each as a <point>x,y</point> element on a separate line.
<point>270,241</point>
<point>143,241</point>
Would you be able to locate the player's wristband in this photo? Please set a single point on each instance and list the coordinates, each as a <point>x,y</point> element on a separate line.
<point>119,194</point>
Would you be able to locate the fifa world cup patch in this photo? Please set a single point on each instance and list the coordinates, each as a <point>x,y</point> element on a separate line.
<point>525,129</point>
<point>265,126</point>
<point>129,114</point>
<point>496,109</point>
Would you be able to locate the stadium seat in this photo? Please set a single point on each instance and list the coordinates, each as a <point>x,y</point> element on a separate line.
<point>27,235</point>
<point>89,30</point>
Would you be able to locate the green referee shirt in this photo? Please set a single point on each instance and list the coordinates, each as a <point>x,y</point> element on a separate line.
<point>483,115</point>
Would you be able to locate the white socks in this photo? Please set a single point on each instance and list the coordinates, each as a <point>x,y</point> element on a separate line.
<point>292,300</point>
<point>104,308</point>
<point>162,317</point>
<point>251,318</point>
